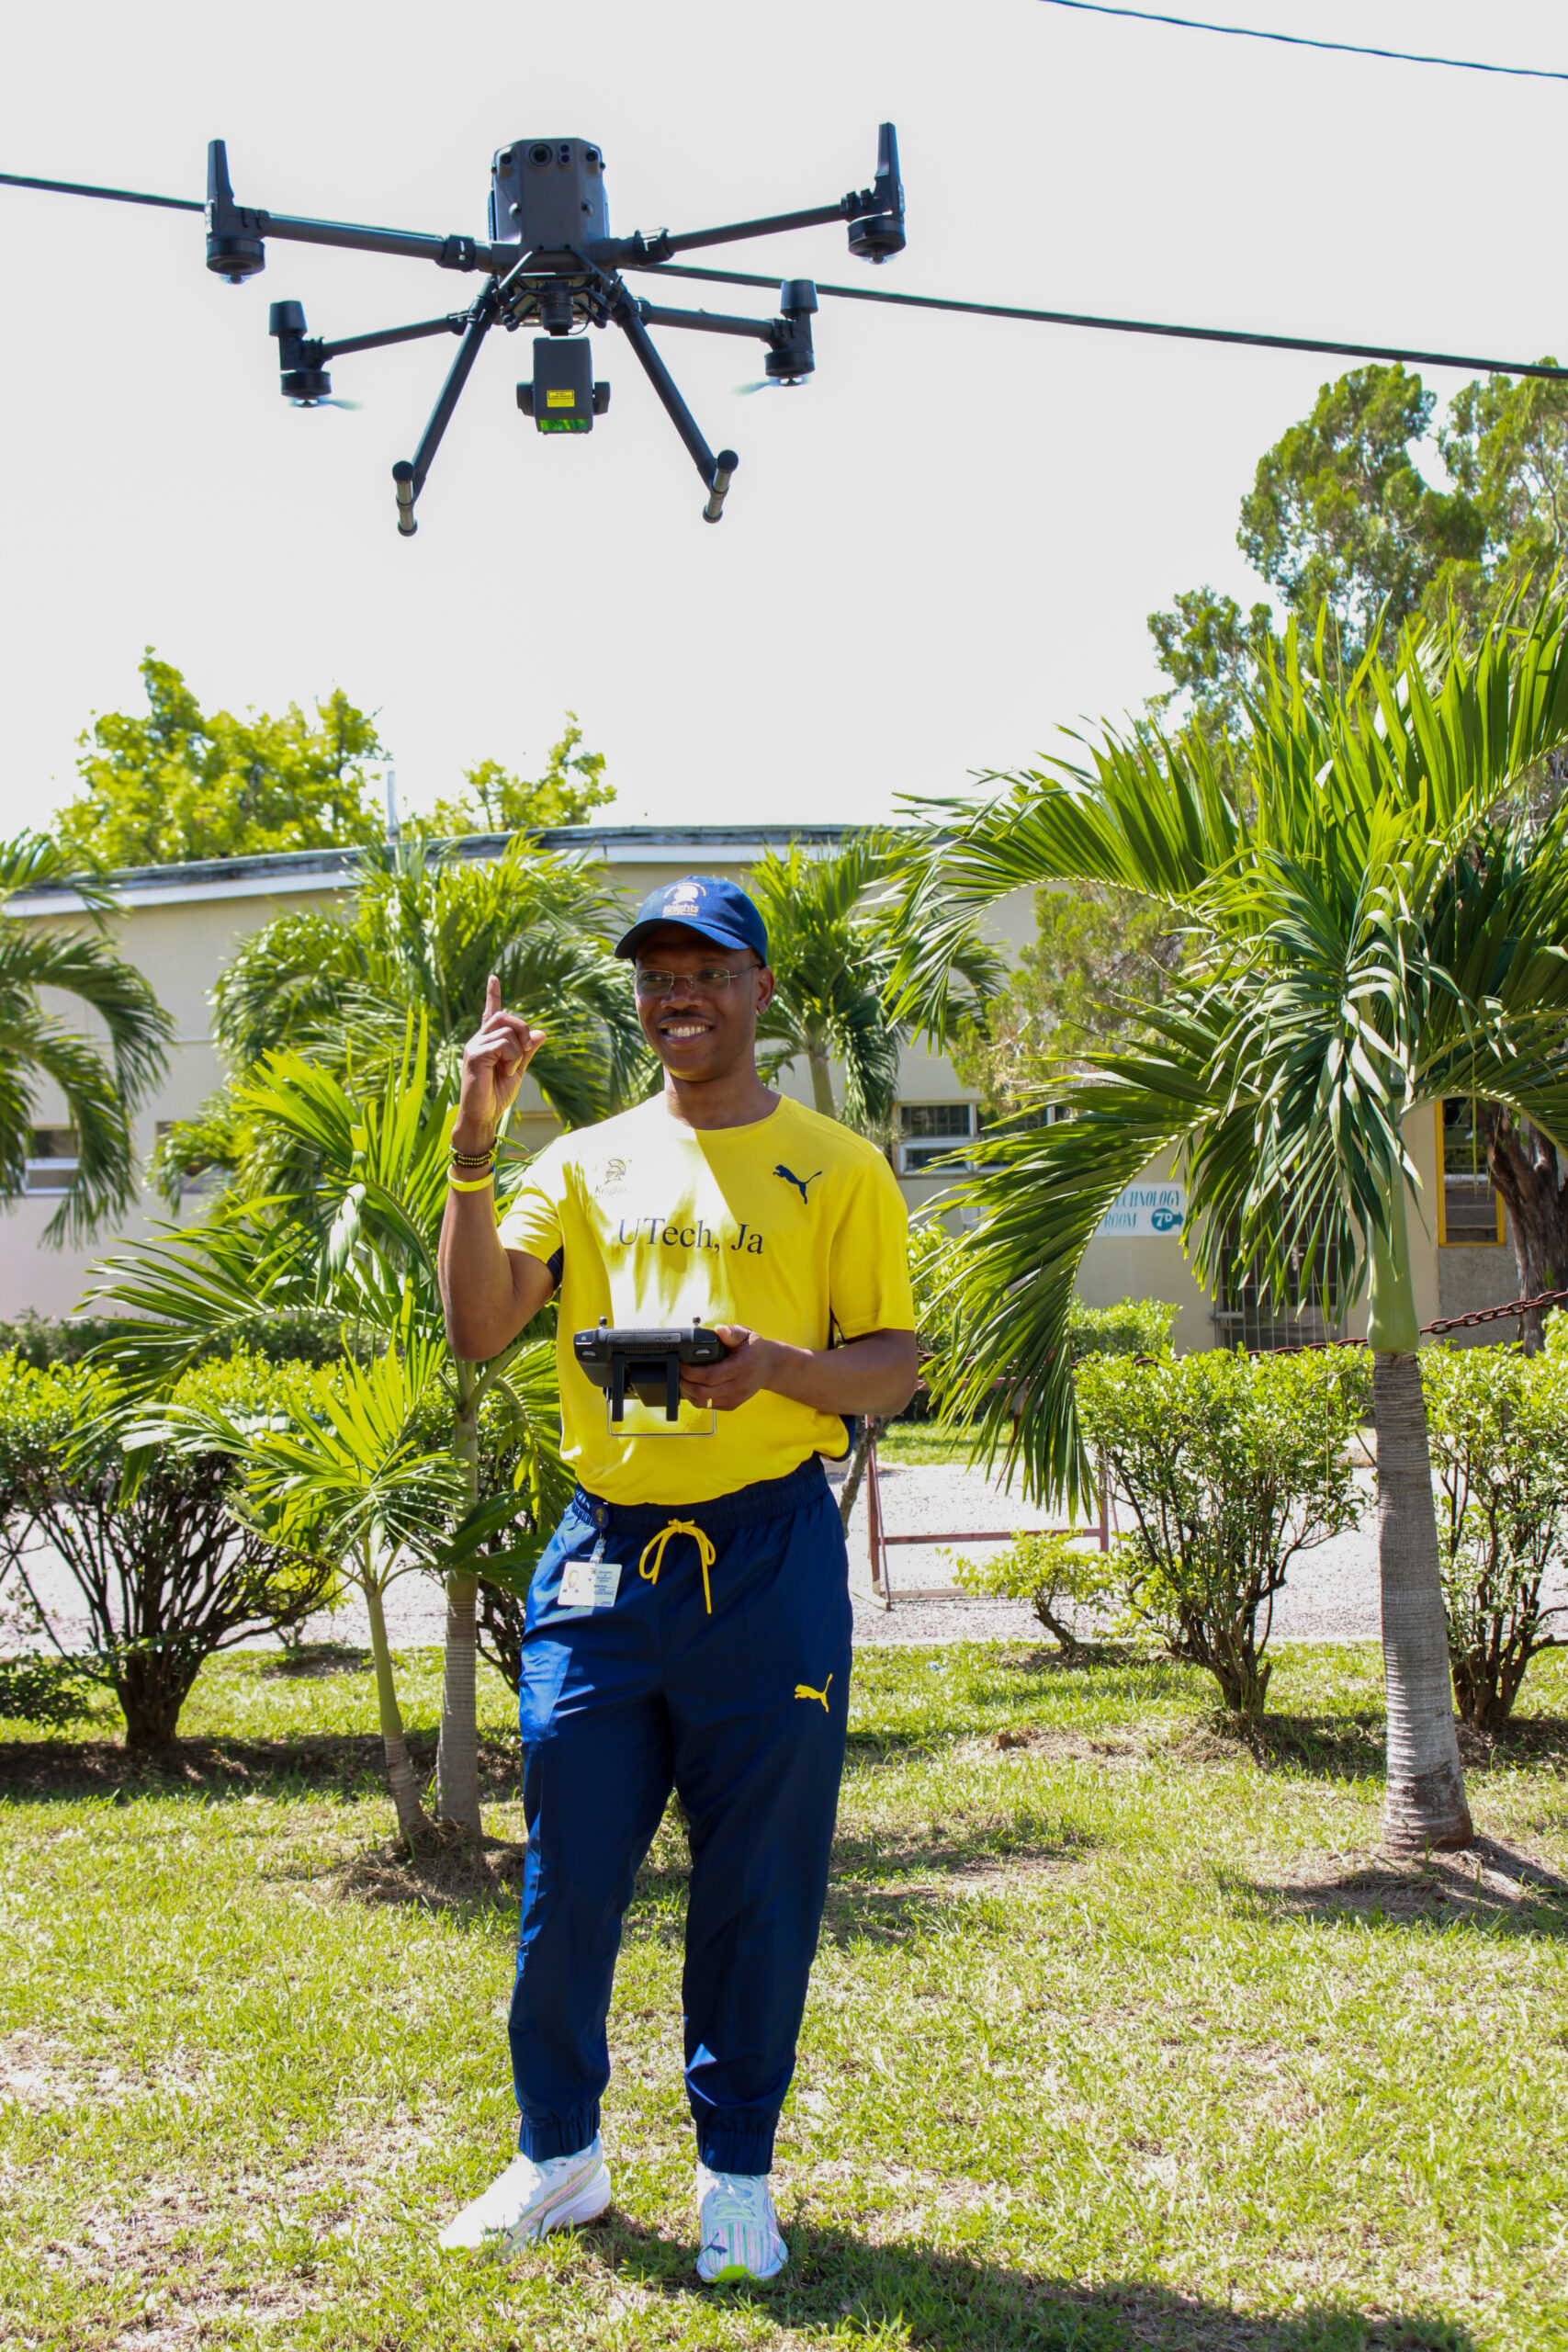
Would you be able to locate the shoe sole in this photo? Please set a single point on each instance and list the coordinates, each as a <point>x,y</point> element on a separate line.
<point>735,2274</point>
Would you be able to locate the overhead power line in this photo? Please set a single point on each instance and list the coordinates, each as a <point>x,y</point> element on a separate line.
<point>1242,335</point>
<point>1137,326</point>
<point>1310,41</point>
<point>118,194</point>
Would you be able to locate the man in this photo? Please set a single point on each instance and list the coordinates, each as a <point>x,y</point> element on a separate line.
<point>689,1623</point>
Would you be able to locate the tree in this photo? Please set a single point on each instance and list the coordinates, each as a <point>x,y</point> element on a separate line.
<point>499,802</point>
<point>356,1477</point>
<point>1340,514</point>
<point>1229,1467</point>
<point>1499,1423</point>
<point>101,1093</point>
<point>164,1575</point>
<point>425,929</point>
<point>1095,949</point>
<point>358,1236</point>
<point>1376,920</point>
<point>832,955</point>
<point>178,785</point>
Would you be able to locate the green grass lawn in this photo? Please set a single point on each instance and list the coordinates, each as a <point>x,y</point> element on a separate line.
<point>921,1442</point>
<point>1119,2037</point>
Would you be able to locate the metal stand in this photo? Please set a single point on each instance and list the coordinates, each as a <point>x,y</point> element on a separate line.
<point>879,1541</point>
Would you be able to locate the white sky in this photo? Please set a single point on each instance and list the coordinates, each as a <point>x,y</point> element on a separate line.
<point>943,550</point>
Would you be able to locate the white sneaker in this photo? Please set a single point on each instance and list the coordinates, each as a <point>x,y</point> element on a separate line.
<point>530,2199</point>
<point>738,2227</point>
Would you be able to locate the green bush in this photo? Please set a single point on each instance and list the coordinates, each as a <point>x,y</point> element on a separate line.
<point>1498,1428</point>
<point>43,1340</point>
<point>1228,1465</point>
<point>1133,1326</point>
<point>164,1572</point>
<point>35,1689</point>
<point>1061,1577</point>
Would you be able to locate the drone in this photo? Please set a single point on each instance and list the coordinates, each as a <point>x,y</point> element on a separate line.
<point>550,263</point>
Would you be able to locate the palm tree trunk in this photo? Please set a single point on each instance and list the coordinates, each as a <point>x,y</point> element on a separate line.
<point>457,1753</point>
<point>411,1814</point>
<point>1425,1802</point>
<point>821,1084</point>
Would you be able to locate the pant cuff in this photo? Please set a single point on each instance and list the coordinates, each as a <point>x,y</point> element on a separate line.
<point>735,2147</point>
<point>558,2135</point>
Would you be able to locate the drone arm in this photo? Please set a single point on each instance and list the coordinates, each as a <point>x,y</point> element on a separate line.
<point>734,231</point>
<point>448,252</point>
<point>712,321</point>
<point>714,472</point>
<point>453,323</point>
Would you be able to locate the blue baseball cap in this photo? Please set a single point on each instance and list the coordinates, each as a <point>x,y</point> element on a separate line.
<point>701,902</point>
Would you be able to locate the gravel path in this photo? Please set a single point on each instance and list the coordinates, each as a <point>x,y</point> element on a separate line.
<point>1331,1595</point>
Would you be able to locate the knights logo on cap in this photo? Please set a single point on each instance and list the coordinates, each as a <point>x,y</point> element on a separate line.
<point>684,894</point>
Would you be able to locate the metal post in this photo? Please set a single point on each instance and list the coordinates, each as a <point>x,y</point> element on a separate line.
<point>879,1583</point>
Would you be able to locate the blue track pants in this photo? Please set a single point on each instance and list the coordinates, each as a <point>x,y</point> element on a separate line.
<point>740,1706</point>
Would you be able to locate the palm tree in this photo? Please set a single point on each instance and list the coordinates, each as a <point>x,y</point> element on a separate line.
<point>1375,919</point>
<point>425,931</point>
<point>832,955</point>
<point>363,1244</point>
<point>101,1093</point>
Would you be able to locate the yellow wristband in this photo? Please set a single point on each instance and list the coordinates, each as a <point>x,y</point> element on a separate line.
<point>457,1185</point>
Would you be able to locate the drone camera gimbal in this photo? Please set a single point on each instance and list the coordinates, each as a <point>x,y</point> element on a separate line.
<point>550,263</point>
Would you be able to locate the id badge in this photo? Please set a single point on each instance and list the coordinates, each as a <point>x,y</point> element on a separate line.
<point>592,1583</point>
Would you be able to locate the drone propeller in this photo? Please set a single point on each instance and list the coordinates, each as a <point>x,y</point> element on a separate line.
<point>327,400</point>
<point>770,384</point>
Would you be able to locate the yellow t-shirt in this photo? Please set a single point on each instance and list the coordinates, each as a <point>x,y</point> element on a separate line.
<point>793,1225</point>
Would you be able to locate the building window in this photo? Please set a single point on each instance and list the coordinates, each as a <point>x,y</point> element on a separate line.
<point>51,1164</point>
<point>1470,1213</point>
<point>931,1134</point>
<point>1308,1311</point>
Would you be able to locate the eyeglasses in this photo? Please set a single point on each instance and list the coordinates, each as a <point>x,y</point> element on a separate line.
<point>711,980</point>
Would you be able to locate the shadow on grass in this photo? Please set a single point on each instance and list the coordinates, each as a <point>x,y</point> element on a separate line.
<point>339,1765</point>
<point>1350,1746</point>
<point>1486,1885</point>
<point>313,1660</point>
<point>841,2287</point>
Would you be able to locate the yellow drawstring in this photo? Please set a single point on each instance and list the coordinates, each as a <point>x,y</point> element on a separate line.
<point>656,1545</point>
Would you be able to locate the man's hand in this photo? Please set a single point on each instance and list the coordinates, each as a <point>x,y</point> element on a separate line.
<point>875,1373</point>
<point>747,1367</point>
<point>493,1062</point>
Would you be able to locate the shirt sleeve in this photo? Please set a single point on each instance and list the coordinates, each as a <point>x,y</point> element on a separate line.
<point>532,1219</point>
<point>868,1273</point>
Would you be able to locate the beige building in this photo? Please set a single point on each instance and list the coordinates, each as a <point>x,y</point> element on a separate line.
<point>179,925</point>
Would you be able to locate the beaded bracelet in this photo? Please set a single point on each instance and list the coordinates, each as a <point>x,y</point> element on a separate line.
<point>472,1159</point>
<point>456,1184</point>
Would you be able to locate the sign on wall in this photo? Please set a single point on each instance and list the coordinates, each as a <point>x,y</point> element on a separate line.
<point>1146,1210</point>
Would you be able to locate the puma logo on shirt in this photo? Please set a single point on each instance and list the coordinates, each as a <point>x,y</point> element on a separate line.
<point>800,1182</point>
<point>803,1689</point>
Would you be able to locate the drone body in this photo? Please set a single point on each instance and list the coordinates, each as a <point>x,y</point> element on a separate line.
<point>550,263</point>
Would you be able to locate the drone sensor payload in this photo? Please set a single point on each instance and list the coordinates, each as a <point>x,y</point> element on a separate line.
<point>550,263</point>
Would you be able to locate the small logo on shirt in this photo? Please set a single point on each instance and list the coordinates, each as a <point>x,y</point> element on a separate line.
<point>612,1179</point>
<point>800,1182</point>
<point>804,1690</point>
